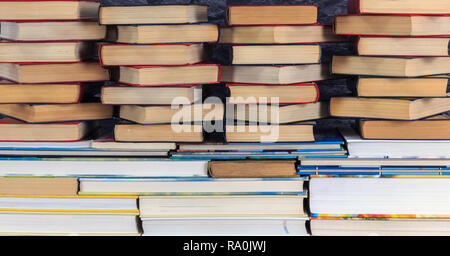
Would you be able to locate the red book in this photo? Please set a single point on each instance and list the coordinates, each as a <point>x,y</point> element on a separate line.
<point>271,14</point>
<point>428,7</point>
<point>48,10</point>
<point>270,94</point>
<point>170,75</point>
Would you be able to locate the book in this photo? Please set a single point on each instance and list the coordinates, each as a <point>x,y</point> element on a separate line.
<point>86,152</point>
<point>53,73</point>
<point>167,114</point>
<point>69,224</point>
<point>267,94</point>
<point>189,186</point>
<point>379,196</point>
<point>128,95</point>
<point>390,67</point>
<point>282,114</point>
<point>68,204</point>
<point>258,155</point>
<point>110,144</point>
<point>102,167</point>
<point>158,133</point>
<point>13,130</point>
<point>269,133</point>
<point>379,227</point>
<point>48,52</point>
<point>221,206</point>
<point>252,169</point>
<point>161,34</point>
<point>433,128</point>
<point>392,25</point>
<point>278,34</point>
<point>271,14</point>
<point>169,75</point>
<point>52,31</point>
<point>49,10</point>
<point>275,54</point>
<point>280,226</point>
<point>432,7</point>
<point>154,54</point>
<point>401,87</point>
<point>38,186</point>
<point>44,113</point>
<point>45,145</point>
<point>38,93</point>
<point>377,162</point>
<point>275,74</point>
<point>402,46</point>
<point>388,108</point>
<point>156,14</point>
<point>358,147</point>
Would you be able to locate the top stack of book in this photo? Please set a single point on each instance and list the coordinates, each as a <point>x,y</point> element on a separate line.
<point>47,56</point>
<point>402,68</point>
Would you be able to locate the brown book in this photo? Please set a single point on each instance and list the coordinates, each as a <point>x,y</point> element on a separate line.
<point>38,186</point>
<point>157,14</point>
<point>160,34</point>
<point>385,108</point>
<point>278,34</point>
<point>290,74</point>
<point>402,7</point>
<point>401,87</point>
<point>158,133</point>
<point>253,169</point>
<point>392,25</point>
<point>154,54</point>
<point>391,67</point>
<point>433,128</point>
<point>166,114</point>
<point>271,14</point>
<point>57,112</point>
<point>270,133</point>
<point>13,130</point>
<point>405,46</point>
<point>51,31</point>
<point>275,54</point>
<point>54,73</point>
<point>39,93</point>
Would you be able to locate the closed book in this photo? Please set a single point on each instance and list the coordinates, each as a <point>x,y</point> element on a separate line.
<point>388,108</point>
<point>161,34</point>
<point>38,186</point>
<point>54,73</point>
<point>156,14</point>
<point>158,133</point>
<point>169,75</point>
<point>433,128</point>
<point>392,25</point>
<point>390,67</point>
<point>44,113</point>
<point>38,93</point>
<point>252,169</point>
<point>271,94</point>
<point>54,10</point>
<point>52,31</point>
<point>271,14</point>
<point>431,7</point>
<point>289,74</point>
<point>269,133</point>
<point>12,130</point>
<point>156,54</point>
<point>278,34</point>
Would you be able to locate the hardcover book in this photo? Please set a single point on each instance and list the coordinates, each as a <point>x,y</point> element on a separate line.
<point>271,14</point>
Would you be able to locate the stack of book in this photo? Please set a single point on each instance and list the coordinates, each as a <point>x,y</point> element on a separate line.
<point>275,59</point>
<point>402,68</point>
<point>160,54</point>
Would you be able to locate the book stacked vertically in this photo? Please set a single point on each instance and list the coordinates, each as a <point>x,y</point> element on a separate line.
<point>160,53</point>
<point>399,165</point>
<point>275,59</point>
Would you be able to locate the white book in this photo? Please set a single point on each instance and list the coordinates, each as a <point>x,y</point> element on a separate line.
<point>75,153</point>
<point>45,145</point>
<point>224,227</point>
<point>364,148</point>
<point>121,167</point>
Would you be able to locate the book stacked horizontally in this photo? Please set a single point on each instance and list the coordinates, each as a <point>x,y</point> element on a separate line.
<point>275,59</point>
<point>160,55</point>
<point>402,68</point>
<point>47,51</point>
